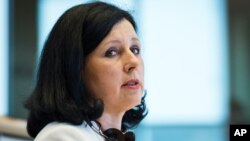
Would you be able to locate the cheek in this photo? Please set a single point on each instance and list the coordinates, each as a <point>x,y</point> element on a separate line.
<point>104,81</point>
<point>110,78</point>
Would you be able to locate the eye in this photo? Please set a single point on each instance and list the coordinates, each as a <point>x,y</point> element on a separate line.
<point>111,52</point>
<point>135,50</point>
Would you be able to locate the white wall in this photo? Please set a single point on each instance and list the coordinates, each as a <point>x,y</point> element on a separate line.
<point>3,57</point>
<point>186,61</point>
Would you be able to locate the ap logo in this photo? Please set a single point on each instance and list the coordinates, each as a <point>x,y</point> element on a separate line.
<point>239,132</point>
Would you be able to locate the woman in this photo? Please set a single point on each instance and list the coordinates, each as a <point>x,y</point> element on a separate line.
<point>90,81</point>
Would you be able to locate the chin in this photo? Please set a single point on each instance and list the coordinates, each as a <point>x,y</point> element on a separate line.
<point>133,100</point>
<point>134,103</point>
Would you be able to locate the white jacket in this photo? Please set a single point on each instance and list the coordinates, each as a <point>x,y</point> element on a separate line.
<point>65,132</point>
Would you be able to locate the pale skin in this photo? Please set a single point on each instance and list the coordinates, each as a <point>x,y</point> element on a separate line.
<point>114,72</point>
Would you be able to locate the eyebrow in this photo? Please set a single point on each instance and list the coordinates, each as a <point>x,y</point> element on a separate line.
<point>118,41</point>
<point>136,39</point>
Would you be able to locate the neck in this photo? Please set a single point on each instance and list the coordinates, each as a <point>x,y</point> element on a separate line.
<point>109,120</point>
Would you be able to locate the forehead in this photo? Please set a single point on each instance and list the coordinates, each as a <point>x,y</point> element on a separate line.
<point>122,29</point>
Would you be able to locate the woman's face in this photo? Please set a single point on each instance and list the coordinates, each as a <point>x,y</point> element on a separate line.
<point>114,71</point>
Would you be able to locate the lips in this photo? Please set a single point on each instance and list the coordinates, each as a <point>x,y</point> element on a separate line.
<point>133,84</point>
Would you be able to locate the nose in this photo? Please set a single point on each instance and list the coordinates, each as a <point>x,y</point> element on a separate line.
<point>131,62</point>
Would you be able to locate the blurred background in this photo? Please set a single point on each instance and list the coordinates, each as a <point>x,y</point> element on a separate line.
<point>196,53</point>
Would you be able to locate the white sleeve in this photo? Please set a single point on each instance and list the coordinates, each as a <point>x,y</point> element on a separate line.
<point>63,133</point>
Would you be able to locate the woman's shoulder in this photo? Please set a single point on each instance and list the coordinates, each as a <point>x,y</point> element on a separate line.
<point>66,132</point>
